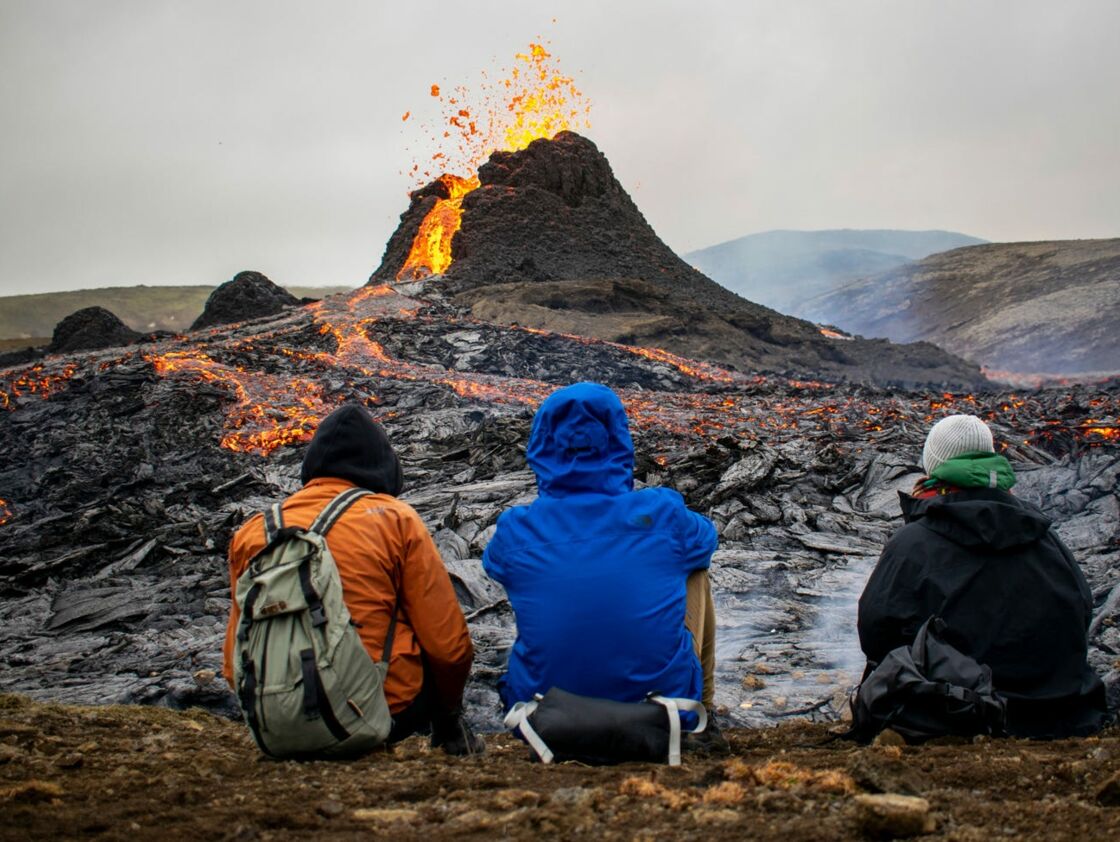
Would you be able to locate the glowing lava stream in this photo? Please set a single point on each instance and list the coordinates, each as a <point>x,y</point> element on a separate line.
<point>431,248</point>
<point>272,410</point>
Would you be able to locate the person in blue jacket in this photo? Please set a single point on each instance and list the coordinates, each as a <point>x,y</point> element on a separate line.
<point>602,578</point>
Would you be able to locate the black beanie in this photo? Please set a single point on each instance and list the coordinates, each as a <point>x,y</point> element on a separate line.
<point>352,446</point>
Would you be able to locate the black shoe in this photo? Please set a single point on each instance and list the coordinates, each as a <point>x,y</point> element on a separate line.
<point>710,741</point>
<point>456,738</point>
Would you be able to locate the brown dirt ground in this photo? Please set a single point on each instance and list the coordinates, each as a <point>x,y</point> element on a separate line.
<point>141,773</point>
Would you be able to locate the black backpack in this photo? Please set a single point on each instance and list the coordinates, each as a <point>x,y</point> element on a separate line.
<point>927,689</point>
<point>565,726</point>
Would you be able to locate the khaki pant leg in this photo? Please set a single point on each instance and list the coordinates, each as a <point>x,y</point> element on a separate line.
<point>700,620</point>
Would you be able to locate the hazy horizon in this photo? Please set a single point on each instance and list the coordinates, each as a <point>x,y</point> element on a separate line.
<point>163,143</point>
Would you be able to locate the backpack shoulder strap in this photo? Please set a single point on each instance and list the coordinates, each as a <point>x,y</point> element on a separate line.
<point>273,522</point>
<point>334,510</point>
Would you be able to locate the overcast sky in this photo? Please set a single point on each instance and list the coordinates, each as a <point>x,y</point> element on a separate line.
<point>180,142</point>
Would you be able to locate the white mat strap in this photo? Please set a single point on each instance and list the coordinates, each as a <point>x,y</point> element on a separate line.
<point>674,707</point>
<point>518,717</point>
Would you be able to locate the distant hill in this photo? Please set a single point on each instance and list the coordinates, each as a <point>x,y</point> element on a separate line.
<point>1050,307</point>
<point>142,308</point>
<point>782,269</point>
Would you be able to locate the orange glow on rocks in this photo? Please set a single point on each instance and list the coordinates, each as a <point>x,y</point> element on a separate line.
<point>35,380</point>
<point>269,410</point>
<point>277,392</point>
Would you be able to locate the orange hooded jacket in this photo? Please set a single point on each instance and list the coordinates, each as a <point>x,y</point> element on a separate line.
<point>382,550</point>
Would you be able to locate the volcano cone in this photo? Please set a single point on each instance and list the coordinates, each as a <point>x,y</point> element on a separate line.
<point>551,240</point>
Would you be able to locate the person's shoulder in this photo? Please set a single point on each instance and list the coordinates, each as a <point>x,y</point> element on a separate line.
<point>665,506</point>
<point>512,518</point>
<point>906,532</point>
<point>248,539</point>
<point>910,539</point>
<point>376,508</point>
<point>660,495</point>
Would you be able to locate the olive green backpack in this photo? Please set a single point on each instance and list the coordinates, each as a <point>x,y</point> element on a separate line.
<point>306,684</point>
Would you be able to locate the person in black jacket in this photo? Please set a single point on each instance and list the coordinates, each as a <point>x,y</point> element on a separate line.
<point>990,565</point>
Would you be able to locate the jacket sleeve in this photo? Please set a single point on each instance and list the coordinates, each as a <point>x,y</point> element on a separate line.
<point>1082,583</point>
<point>891,608</point>
<point>494,558</point>
<point>428,601</point>
<point>696,537</point>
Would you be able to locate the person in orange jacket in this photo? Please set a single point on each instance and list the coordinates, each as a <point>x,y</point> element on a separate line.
<point>385,557</point>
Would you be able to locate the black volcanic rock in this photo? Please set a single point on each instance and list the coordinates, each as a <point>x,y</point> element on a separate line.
<point>120,495</point>
<point>550,235</point>
<point>22,356</point>
<point>249,295</point>
<point>89,329</point>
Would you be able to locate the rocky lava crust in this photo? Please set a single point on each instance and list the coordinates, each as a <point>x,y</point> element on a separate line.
<point>125,472</point>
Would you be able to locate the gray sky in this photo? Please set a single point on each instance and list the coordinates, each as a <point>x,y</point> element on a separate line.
<point>180,142</point>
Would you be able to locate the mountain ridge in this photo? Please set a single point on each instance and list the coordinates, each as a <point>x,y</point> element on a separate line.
<point>1048,306</point>
<point>782,268</point>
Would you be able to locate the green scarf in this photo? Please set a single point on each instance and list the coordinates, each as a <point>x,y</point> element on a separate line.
<point>974,470</point>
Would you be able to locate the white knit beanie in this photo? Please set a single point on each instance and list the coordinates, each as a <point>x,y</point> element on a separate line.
<point>953,436</point>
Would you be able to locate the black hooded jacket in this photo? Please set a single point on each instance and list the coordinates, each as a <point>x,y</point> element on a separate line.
<point>352,446</point>
<point>1011,594</point>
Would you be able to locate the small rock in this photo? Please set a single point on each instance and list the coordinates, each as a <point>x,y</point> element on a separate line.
<point>329,809</point>
<point>778,801</point>
<point>473,821</point>
<point>891,816</point>
<point>1108,793</point>
<point>753,682</point>
<point>9,753</point>
<point>204,677</point>
<point>709,816</point>
<point>510,799</point>
<point>570,796</point>
<point>889,737</point>
<point>31,792</point>
<point>728,792</point>
<point>386,815</point>
<point>878,773</point>
<point>70,761</point>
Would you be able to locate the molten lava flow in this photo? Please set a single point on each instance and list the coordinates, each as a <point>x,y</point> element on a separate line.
<point>270,411</point>
<point>693,368</point>
<point>5,512</point>
<point>534,101</point>
<point>36,380</point>
<point>431,249</point>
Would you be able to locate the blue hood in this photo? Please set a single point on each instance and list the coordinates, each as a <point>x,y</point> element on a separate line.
<point>580,443</point>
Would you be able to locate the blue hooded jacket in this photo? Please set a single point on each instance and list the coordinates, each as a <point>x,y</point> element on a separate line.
<point>594,570</point>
